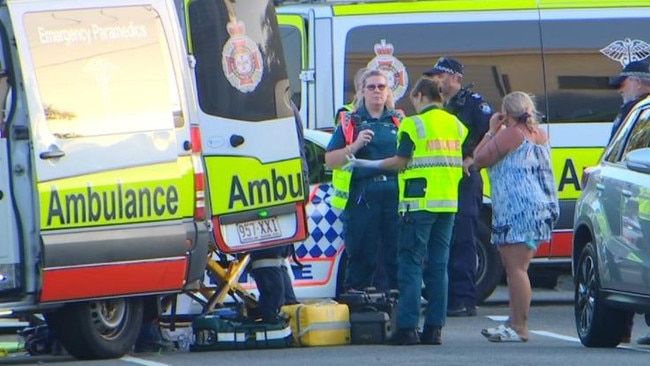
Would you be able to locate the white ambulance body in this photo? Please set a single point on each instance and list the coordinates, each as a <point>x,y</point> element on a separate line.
<point>561,52</point>
<point>105,200</point>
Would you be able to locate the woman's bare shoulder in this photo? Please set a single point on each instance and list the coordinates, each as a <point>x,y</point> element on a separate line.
<point>541,137</point>
<point>510,138</point>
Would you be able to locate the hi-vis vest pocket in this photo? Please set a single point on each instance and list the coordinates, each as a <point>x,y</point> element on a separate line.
<point>415,188</point>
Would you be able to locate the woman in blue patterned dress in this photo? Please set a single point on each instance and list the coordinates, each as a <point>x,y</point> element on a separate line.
<point>517,155</point>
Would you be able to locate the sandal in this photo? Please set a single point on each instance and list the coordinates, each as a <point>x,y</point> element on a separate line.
<point>488,332</point>
<point>506,334</point>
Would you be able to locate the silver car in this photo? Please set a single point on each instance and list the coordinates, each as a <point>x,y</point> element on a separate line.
<point>611,241</point>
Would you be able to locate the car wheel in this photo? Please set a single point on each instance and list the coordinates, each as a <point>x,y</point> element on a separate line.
<point>598,325</point>
<point>488,263</point>
<point>98,329</point>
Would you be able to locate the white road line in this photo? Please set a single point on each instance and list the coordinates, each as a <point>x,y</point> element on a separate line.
<point>141,361</point>
<point>574,339</point>
<point>555,335</point>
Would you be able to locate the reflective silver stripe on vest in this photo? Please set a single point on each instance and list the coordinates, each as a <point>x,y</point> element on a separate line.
<point>341,194</point>
<point>435,161</point>
<point>432,204</point>
<point>461,128</point>
<point>419,126</point>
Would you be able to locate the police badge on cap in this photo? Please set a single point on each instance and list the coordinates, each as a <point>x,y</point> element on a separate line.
<point>446,65</point>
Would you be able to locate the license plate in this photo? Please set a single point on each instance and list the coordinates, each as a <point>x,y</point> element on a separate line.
<point>258,230</point>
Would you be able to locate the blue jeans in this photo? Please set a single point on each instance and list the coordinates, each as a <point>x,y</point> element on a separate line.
<point>423,255</point>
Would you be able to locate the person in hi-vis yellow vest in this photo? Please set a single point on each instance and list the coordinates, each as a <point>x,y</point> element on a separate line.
<point>430,162</point>
<point>370,213</point>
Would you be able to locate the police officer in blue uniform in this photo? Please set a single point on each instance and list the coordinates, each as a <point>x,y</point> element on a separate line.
<point>475,114</point>
<point>371,210</point>
<point>633,83</point>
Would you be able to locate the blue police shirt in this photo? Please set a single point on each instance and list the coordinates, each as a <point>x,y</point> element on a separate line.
<point>475,114</point>
<point>382,145</point>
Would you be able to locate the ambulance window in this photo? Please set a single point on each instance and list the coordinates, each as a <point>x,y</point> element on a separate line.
<point>103,71</point>
<point>492,64</point>
<point>580,55</point>
<point>292,44</point>
<point>315,155</point>
<point>240,69</point>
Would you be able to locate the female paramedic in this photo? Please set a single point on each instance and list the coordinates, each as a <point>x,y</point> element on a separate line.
<point>368,196</point>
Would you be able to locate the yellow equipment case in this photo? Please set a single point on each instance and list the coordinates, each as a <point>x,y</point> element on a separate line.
<point>319,324</point>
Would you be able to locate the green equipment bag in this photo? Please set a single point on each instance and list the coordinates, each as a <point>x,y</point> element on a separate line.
<point>214,332</point>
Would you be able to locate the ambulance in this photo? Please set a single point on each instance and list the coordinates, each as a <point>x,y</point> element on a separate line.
<point>112,192</point>
<point>562,52</point>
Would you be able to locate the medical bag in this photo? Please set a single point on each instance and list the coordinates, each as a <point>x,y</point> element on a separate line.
<point>324,323</point>
<point>215,331</point>
<point>373,315</point>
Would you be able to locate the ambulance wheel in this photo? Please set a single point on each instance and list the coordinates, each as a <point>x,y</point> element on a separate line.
<point>488,263</point>
<point>98,329</point>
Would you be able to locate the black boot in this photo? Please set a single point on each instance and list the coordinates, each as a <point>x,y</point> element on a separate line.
<point>431,335</point>
<point>405,337</point>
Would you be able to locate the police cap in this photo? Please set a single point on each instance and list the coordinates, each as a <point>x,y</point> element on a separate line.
<point>446,65</point>
<point>638,69</point>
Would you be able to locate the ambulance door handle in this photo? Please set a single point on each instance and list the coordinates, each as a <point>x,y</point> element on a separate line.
<point>236,140</point>
<point>53,153</point>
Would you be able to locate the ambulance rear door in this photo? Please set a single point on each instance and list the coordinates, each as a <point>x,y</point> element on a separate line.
<point>300,67</point>
<point>104,104</point>
<point>9,253</point>
<point>248,130</point>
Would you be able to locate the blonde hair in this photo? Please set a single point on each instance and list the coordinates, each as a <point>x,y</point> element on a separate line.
<point>521,107</point>
<point>360,101</point>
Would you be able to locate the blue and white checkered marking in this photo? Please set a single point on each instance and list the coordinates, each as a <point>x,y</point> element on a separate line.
<point>324,224</point>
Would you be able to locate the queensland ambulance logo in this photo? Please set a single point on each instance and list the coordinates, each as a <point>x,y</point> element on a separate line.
<point>241,59</point>
<point>627,50</point>
<point>393,68</point>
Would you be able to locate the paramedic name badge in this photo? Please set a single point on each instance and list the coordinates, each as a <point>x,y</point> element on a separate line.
<point>241,59</point>
<point>393,68</point>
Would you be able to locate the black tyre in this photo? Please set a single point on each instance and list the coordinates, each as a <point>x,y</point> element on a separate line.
<point>98,329</point>
<point>488,264</point>
<point>598,325</point>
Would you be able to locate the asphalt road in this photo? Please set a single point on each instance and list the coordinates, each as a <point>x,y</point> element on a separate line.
<point>553,341</point>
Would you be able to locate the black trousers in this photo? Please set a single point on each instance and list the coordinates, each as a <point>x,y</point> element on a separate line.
<point>276,290</point>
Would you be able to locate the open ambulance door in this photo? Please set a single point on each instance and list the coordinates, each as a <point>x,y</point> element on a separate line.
<point>10,263</point>
<point>300,67</point>
<point>250,144</point>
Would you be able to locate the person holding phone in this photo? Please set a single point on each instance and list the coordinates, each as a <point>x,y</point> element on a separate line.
<point>525,206</point>
<point>368,196</point>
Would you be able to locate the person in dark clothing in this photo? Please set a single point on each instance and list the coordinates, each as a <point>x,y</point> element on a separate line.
<point>475,114</point>
<point>369,197</point>
<point>269,266</point>
<point>269,269</point>
<point>633,84</point>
